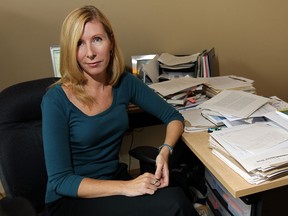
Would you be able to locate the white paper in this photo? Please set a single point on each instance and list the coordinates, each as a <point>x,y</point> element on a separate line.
<point>234,102</point>
<point>254,138</point>
<point>176,85</point>
<point>228,82</point>
<point>252,179</point>
<point>194,117</point>
<point>254,146</point>
<point>273,116</point>
<point>151,69</point>
<point>172,60</point>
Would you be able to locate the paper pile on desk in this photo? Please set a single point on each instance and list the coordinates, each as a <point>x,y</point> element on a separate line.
<point>231,108</point>
<point>175,85</point>
<point>172,66</point>
<point>257,152</point>
<point>218,84</point>
<point>194,121</point>
<point>234,103</point>
<point>214,85</point>
<point>177,62</point>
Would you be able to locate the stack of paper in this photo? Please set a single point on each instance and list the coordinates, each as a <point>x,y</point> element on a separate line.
<point>214,117</point>
<point>194,121</point>
<point>173,89</point>
<point>257,152</point>
<point>233,107</point>
<point>178,91</point>
<point>172,66</point>
<point>176,85</point>
<point>215,85</point>
<point>177,62</point>
<point>234,103</point>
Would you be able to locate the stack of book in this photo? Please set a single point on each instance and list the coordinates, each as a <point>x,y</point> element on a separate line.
<point>205,66</point>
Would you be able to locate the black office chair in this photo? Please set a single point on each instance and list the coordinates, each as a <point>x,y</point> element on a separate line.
<point>18,206</point>
<point>22,166</point>
<point>146,155</point>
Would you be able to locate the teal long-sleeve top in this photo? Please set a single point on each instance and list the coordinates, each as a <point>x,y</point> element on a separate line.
<point>77,145</point>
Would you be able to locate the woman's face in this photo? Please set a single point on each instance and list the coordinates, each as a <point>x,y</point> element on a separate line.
<point>94,49</point>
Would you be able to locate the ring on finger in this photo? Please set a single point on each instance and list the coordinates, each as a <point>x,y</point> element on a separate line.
<point>156,181</point>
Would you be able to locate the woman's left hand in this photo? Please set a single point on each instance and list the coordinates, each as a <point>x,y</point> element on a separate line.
<point>162,171</point>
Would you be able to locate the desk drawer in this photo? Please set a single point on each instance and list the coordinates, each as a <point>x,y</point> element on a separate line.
<point>235,206</point>
<point>215,205</point>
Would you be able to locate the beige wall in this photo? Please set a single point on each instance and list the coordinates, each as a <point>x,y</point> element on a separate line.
<point>250,36</point>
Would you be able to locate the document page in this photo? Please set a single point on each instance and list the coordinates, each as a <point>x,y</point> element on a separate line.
<point>236,103</point>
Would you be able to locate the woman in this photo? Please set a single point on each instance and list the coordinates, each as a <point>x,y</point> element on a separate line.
<point>84,119</point>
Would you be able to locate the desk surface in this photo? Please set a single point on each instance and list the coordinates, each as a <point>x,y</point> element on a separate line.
<point>234,183</point>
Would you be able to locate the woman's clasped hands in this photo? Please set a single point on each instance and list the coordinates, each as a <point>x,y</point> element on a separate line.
<point>149,183</point>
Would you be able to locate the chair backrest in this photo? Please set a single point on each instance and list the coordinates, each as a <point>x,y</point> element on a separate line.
<point>22,166</point>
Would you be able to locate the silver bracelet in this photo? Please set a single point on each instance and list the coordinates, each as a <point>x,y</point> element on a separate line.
<point>170,148</point>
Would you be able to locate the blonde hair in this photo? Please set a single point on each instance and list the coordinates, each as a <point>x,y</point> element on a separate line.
<point>71,32</point>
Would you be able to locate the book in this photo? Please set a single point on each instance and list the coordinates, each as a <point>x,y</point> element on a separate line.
<point>205,65</point>
<point>200,68</point>
<point>212,63</point>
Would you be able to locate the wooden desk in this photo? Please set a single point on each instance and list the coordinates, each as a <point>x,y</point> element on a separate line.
<point>267,199</point>
<point>235,184</point>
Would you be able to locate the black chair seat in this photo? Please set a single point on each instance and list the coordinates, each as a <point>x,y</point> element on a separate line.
<point>146,156</point>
